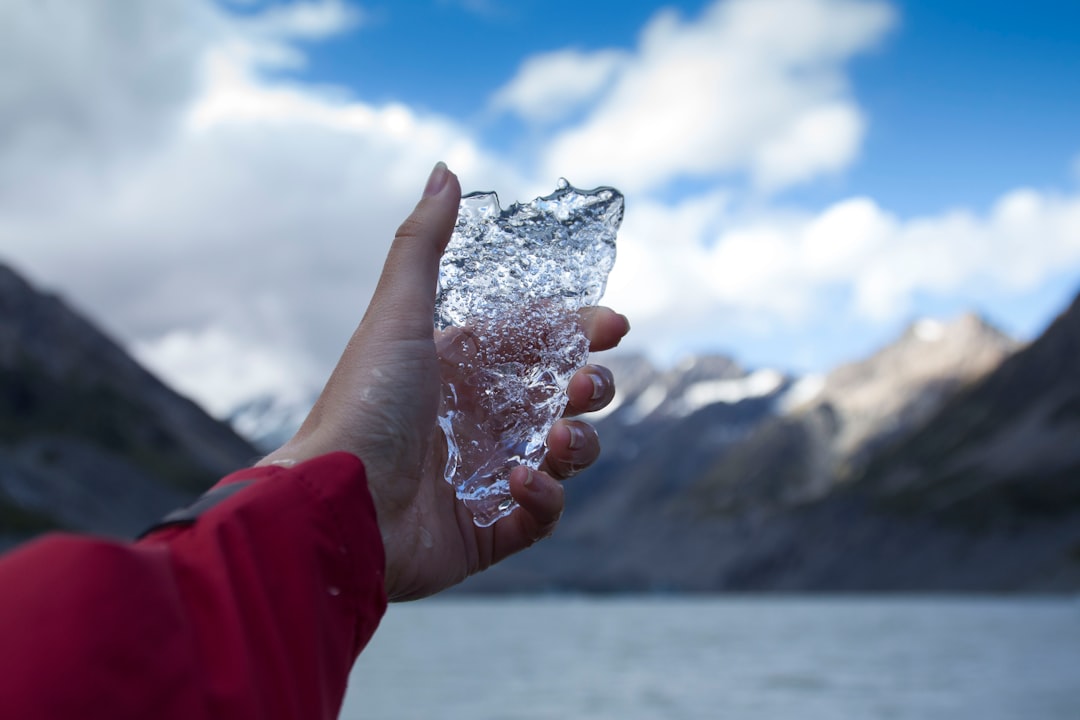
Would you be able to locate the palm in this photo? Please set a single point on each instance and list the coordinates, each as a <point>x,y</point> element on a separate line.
<point>431,540</point>
<point>381,401</point>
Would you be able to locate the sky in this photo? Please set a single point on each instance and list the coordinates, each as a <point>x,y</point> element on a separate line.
<point>216,183</point>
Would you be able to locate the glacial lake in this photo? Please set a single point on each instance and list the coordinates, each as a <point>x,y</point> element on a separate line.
<point>754,657</point>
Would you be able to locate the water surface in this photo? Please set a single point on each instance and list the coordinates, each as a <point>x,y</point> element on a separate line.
<point>757,657</point>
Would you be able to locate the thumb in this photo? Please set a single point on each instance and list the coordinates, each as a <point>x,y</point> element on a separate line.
<point>405,295</point>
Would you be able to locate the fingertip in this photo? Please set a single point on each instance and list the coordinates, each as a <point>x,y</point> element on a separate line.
<point>522,476</point>
<point>436,213</point>
<point>540,505</point>
<point>558,436</point>
<point>538,493</point>
<point>591,388</point>
<point>604,327</point>
<point>437,180</point>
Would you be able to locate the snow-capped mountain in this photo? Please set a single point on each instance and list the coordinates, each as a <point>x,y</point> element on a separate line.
<point>699,460</point>
<point>946,461</point>
<point>717,476</point>
<point>267,421</point>
<point>704,431</point>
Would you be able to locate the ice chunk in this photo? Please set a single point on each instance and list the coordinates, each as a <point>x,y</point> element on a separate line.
<point>508,331</point>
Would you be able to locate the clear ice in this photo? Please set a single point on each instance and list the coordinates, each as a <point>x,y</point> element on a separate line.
<point>508,330</point>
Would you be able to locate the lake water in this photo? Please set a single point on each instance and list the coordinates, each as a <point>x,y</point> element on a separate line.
<point>754,657</point>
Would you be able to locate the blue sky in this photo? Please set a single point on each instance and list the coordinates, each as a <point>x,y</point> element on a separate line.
<point>967,99</point>
<point>803,177</point>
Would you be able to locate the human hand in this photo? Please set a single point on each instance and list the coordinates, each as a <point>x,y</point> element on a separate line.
<point>381,402</point>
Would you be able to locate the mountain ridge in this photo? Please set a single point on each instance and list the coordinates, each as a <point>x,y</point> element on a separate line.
<point>785,506</point>
<point>89,439</point>
<point>944,461</point>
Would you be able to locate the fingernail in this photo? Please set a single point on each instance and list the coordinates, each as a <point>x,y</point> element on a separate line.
<point>627,321</point>
<point>437,179</point>
<point>577,438</point>
<point>529,477</point>
<point>598,386</point>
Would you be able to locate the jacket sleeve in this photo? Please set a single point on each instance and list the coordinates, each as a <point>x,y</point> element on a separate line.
<point>253,603</point>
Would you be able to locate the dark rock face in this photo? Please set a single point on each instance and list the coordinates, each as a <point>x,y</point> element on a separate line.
<point>996,474</point>
<point>89,440</point>
<point>1016,434</point>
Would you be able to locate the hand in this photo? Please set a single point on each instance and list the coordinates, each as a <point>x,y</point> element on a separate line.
<point>381,402</point>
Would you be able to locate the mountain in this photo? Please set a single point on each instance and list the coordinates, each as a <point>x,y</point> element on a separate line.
<point>89,440</point>
<point>830,431</point>
<point>717,478</point>
<point>999,467</point>
<point>983,496</point>
<point>947,460</point>
<point>1014,437</point>
<point>267,421</point>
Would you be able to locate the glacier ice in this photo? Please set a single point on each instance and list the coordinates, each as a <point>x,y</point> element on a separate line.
<point>508,331</point>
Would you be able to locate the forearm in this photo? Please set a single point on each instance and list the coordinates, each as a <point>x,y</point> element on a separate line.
<point>257,608</point>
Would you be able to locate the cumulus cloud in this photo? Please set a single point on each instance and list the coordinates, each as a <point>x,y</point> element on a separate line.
<point>551,86</point>
<point>698,278</point>
<point>223,368</point>
<point>229,224</point>
<point>86,86</point>
<point>822,139</point>
<point>217,202</point>
<point>306,20</point>
<point>752,86</point>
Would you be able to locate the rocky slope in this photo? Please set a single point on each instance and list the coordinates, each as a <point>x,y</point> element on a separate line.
<point>826,437</point>
<point>998,467</point>
<point>983,496</point>
<point>89,440</point>
<point>840,484</point>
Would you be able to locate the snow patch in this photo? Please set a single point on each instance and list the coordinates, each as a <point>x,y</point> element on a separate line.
<point>801,392</point>
<point>710,392</point>
<point>647,402</point>
<point>929,330</point>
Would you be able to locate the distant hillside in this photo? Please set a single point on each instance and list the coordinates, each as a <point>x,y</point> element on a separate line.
<point>984,496</point>
<point>943,462</point>
<point>948,460</point>
<point>90,440</point>
<point>1003,454</point>
<point>859,408</point>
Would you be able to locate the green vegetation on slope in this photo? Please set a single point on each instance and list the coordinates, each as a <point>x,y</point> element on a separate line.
<point>32,404</point>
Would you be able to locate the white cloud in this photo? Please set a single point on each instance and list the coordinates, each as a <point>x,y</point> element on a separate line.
<point>222,213</point>
<point>306,20</point>
<point>87,86</point>
<point>223,369</point>
<point>659,251</point>
<point>753,86</point>
<point>822,139</point>
<point>1027,238</point>
<point>550,86</point>
<point>695,287</point>
<point>231,227</point>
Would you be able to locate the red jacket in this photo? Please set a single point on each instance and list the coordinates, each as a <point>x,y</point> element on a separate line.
<point>256,609</point>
